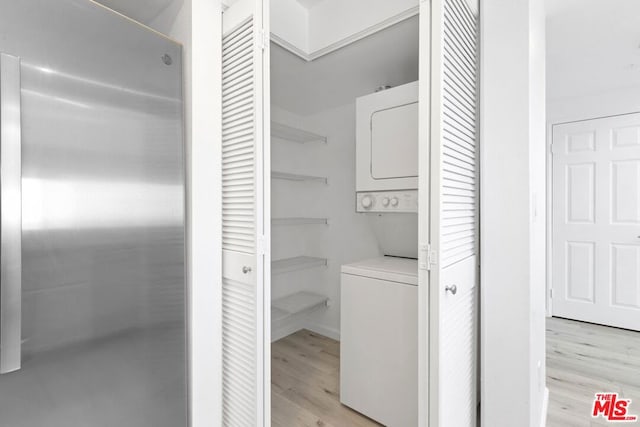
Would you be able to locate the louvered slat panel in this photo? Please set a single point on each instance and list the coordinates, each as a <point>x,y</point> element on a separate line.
<point>239,299</point>
<point>458,207</point>
<point>238,139</point>
<point>459,124</point>
<point>458,370</point>
<point>238,350</point>
<point>231,153</point>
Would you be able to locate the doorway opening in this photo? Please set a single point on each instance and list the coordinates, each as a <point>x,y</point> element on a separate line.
<point>344,311</point>
<point>349,214</point>
<point>593,176</point>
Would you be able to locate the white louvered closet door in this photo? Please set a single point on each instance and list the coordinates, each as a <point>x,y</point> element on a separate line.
<point>450,207</point>
<point>245,215</point>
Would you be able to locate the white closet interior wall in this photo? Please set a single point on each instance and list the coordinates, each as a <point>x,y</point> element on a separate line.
<point>346,238</point>
<point>319,97</point>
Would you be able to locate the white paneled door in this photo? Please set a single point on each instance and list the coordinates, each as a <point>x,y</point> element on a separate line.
<point>596,221</point>
<point>245,215</point>
<point>448,153</point>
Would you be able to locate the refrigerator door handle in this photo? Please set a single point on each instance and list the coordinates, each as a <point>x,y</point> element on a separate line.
<point>10,215</point>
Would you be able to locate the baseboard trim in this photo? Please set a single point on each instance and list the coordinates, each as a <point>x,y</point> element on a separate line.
<point>286,328</point>
<point>294,325</point>
<point>545,408</point>
<point>332,333</point>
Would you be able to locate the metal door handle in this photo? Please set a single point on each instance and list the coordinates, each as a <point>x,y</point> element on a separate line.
<point>10,216</point>
<point>246,269</point>
<point>453,289</point>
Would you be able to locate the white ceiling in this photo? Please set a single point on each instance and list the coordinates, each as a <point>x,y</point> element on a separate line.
<point>309,3</point>
<point>592,46</point>
<point>143,11</point>
<point>387,57</point>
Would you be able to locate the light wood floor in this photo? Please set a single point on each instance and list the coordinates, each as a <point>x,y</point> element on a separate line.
<point>583,359</point>
<point>305,384</point>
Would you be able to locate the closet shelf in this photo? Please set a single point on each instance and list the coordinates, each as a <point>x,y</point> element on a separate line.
<point>289,133</point>
<point>296,177</point>
<point>299,221</point>
<point>296,263</point>
<point>298,302</point>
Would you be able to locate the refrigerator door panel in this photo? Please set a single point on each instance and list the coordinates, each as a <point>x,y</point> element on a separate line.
<point>103,258</point>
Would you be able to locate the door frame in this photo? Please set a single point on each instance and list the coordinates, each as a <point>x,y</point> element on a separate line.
<point>424,213</point>
<point>549,195</point>
<point>264,175</point>
<point>549,221</point>
<point>263,318</point>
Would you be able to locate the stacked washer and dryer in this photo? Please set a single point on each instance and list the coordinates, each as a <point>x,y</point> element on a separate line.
<point>379,297</point>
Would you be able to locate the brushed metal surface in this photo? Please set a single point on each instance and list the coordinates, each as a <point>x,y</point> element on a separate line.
<point>103,264</point>
<point>11,216</point>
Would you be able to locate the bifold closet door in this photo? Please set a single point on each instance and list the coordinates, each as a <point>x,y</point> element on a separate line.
<point>245,215</point>
<point>449,205</point>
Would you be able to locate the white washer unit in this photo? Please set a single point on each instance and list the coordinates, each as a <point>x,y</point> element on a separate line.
<point>379,339</point>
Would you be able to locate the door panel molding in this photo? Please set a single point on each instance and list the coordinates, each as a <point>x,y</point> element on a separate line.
<point>612,231</point>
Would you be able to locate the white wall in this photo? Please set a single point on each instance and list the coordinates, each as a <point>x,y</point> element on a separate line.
<point>347,238</point>
<point>568,109</point>
<point>512,207</point>
<point>197,24</point>
<point>290,22</point>
<point>610,103</point>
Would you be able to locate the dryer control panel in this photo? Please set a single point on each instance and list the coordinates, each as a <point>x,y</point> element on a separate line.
<point>387,201</point>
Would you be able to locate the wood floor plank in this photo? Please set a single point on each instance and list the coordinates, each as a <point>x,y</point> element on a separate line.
<point>288,371</point>
<point>285,413</point>
<point>305,381</point>
<point>316,341</point>
<point>283,378</point>
<point>584,359</point>
<point>315,357</point>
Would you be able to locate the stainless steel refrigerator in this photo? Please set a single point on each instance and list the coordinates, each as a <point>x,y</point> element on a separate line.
<point>92,254</point>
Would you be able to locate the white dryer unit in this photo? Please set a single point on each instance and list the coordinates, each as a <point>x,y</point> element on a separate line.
<point>387,167</point>
<point>387,140</point>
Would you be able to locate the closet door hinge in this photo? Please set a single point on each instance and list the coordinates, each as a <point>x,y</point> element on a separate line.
<point>263,39</point>
<point>261,245</point>
<point>427,257</point>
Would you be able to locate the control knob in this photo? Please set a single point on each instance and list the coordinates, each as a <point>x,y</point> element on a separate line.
<point>394,202</point>
<point>385,202</point>
<point>367,202</point>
